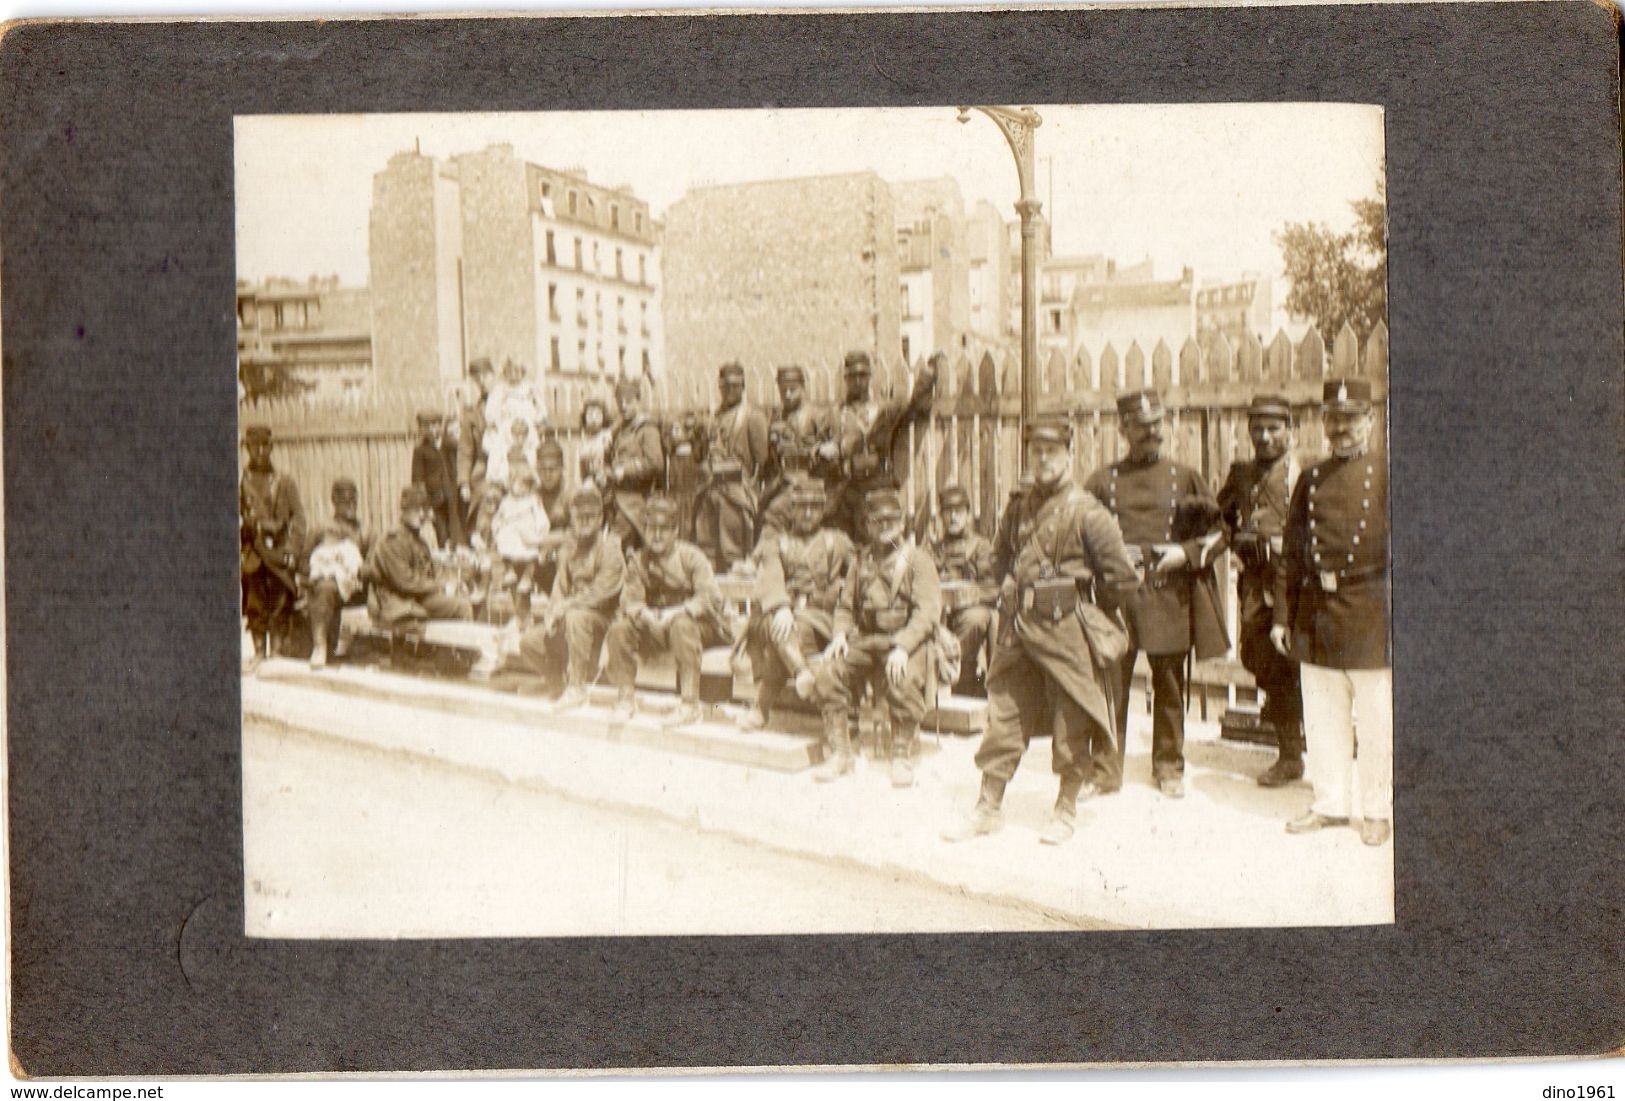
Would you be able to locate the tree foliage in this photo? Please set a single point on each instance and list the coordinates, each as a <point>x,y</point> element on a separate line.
<point>1339,277</point>
<point>269,380</point>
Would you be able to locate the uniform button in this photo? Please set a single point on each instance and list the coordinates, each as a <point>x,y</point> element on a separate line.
<point>1368,469</point>
<point>1317,556</point>
<point>1351,560</point>
<point>1356,540</point>
<point>1366,503</point>
<point>1362,523</point>
<point>1368,483</point>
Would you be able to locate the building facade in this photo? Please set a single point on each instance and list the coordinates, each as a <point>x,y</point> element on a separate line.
<point>487,255</point>
<point>317,335</point>
<point>1234,308</point>
<point>987,248</point>
<point>779,272</point>
<point>934,265</point>
<point>1126,311</point>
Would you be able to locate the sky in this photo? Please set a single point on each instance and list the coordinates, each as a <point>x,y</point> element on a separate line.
<point>1202,185</point>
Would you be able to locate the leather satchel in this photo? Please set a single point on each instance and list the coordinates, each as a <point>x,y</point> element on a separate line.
<point>1108,641</point>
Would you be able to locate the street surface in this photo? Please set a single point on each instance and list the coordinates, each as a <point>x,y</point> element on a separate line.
<point>343,834</point>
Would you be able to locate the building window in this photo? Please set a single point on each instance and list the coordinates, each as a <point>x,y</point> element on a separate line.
<point>552,301</point>
<point>643,270</point>
<point>581,307</point>
<point>1055,321</point>
<point>552,251</point>
<point>637,220</point>
<point>597,260</point>
<point>905,350</point>
<point>578,254</point>
<point>581,355</point>
<point>643,318</point>
<point>572,202</point>
<point>614,216</point>
<point>619,273</point>
<point>622,364</point>
<point>646,368</point>
<point>620,315</point>
<point>554,349</point>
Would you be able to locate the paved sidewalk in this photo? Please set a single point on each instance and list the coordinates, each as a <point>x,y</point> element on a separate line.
<point>1219,857</point>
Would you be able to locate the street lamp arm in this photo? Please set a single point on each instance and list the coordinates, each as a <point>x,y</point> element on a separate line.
<point>1017,125</point>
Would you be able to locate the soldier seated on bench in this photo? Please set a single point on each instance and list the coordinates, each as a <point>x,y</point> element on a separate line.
<point>798,582</point>
<point>670,602</point>
<point>964,561</point>
<point>884,624</point>
<point>567,640</point>
<point>406,590</point>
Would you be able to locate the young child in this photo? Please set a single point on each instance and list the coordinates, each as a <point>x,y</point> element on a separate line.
<point>519,449</point>
<point>596,432</point>
<point>336,560</point>
<point>514,398</point>
<point>519,529</point>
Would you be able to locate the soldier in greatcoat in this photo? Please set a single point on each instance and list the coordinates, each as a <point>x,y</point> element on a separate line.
<point>634,464</point>
<point>406,587</point>
<point>434,467</point>
<point>1253,501</point>
<point>798,584</point>
<point>866,435</point>
<point>1175,609</point>
<point>735,450</point>
<point>800,445</point>
<point>271,522</point>
<point>1057,547</point>
<point>884,625</point>
<point>964,556</point>
<point>1332,614</point>
<point>590,569</point>
<point>669,602</point>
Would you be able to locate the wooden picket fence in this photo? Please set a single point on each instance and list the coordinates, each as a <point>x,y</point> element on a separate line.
<point>972,438</point>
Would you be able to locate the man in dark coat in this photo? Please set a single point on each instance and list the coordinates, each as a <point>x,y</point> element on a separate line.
<point>734,451</point>
<point>867,433</point>
<point>634,466</point>
<point>271,523</point>
<point>1253,502</point>
<point>471,440</point>
<point>434,467</point>
<point>1332,613</point>
<point>800,445</point>
<point>1056,548</point>
<point>964,559</point>
<point>1174,611</point>
<point>402,575</point>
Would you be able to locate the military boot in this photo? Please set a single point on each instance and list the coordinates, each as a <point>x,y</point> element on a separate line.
<point>985,818</point>
<point>1288,767</point>
<point>905,746</point>
<point>1064,820</point>
<point>688,690</point>
<point>837,748</point>
<point>626,705</point>
<point>318,646</point>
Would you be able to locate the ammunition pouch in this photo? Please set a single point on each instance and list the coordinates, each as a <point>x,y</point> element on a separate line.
<point>865,464</point>
<point>725,470</point>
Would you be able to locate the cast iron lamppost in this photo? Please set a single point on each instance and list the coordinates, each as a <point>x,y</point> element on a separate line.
<point>1017,124</point>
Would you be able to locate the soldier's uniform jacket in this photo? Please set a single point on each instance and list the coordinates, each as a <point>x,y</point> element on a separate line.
<point>682,578</point>
<point>1167,614</point>
<point>434,468</point>
<point>866,431</point>
<point>635,451</point>
<point>736,448</point>
<point>589,577</point>
<point>896,596</point>
<point>966,558</point>
<point>1066,533</point>
<point>1332,588</point>
<point>793,440</point>
<point>268,507</point>
<point>401,571</point>
<point>1253,502</point>
<point>802,573</point>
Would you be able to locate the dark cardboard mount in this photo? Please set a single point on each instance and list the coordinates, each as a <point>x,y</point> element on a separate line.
<point>1508,452</point>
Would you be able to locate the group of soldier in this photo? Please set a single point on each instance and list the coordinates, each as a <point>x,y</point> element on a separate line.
<point>1048,619</point>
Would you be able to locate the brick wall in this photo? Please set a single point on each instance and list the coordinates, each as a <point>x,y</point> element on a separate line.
<point>499,263</point>
<point>783,271</point>
<point>403,278</point>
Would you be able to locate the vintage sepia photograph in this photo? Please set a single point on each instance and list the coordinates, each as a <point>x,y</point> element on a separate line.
<point>934,519</point>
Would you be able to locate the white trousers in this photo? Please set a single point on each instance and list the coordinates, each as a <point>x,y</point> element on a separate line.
<point>1337,705</point>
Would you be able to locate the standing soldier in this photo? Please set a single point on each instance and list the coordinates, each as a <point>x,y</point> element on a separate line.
<point>434,467</point>
<point>1168,616</point>
<point>1254,503</point>
<point>272,528</point>
<point>798,583</point>
<point>883,624</point>
<point>800,445</point>
<point>1057,547</point>
<point>866,435</point>
<point>964,561</point>
<point>735,452</point>
<point>670,602</point>
<point>635,462</point>
<point>1331,613</point>
<point>586,592</point>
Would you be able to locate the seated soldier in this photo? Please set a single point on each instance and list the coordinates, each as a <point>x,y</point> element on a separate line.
<point>670,602</point>
<point>404,581</point>
<point>964,561</point>
<point>333,571</point>
<point>883,624</point>
<point>798,583</point>
<point>565,643</point>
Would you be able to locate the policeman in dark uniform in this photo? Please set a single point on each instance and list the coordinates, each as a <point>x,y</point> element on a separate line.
<point>866,434</point>
<point>884,625</point>
<point>272,526</point>
<point>1168,616</point>
<point>734,452</point>
<point>964,559</point>
<point>1056,547</point>
<point>1331,613</point>
<point>801,445</point>
<point>1254,503</point>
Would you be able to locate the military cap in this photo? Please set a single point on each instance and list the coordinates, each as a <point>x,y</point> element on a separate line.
<point>883,502</point>
<point>587,497</point>
<point>628,387</point>
<point>430,416</point>
<point>953,496</point>
<point>1142,406</point>
<point>1270,405</point>
<point>792,373</point>
<point>857,363</point>
<point>344,484</point>
<point>731,371</point>
<point>481,366</point>
<point>257,432</point>
<point>1050,429</point>
<point>1347,395</point>
<point>549,449</point>
<point>414,496</point>
<point>809,491</point>
<point>660,509</point>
